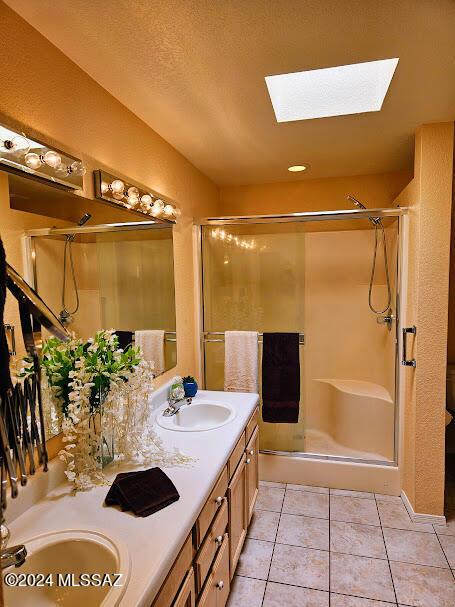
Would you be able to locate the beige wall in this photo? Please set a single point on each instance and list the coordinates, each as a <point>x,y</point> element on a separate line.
<point>312,194</point>
<point>429,197</point>
<point>451,336</point>
<point>43,91</point>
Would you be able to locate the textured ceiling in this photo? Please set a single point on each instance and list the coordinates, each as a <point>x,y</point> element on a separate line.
<point>194,71</point>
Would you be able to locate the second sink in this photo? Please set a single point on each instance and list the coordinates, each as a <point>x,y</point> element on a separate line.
<point>199,416</point>
<point>55,564</point>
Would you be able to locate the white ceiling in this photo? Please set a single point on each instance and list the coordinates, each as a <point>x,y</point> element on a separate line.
<point>194,71</point>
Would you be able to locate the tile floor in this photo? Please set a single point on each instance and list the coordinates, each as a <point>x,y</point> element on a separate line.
<point>315,547</point>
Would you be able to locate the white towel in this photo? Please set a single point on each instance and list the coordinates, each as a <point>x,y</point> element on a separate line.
<point>152,346</point>
<point>241,361</point>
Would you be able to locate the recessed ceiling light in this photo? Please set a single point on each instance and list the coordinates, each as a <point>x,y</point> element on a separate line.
<point>332,91</point>
<point>296,168</point>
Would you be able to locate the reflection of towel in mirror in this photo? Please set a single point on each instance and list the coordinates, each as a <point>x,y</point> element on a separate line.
<point>152,345</point>
<point>241,361</point>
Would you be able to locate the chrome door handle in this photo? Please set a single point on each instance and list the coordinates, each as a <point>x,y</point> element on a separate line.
<point>404,361</point>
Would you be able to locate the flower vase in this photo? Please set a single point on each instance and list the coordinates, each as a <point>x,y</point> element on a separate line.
<point>102,424</point>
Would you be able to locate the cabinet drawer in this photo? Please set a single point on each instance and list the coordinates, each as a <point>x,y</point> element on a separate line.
<point>186,597</point>
<point>254,420</point>
<point>217,587</point>
<point>209,547</point>
<point>212,505</point>
<point>236,455</point>
<point>174,580</point>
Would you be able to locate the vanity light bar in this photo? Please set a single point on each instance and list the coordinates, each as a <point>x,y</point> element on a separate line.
<point>21,153</point>
<point>133,197</point>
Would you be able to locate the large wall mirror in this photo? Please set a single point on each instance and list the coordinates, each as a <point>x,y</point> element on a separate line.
<point>111,274</point>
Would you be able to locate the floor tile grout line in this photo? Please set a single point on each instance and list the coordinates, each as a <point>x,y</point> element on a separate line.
<point>445,555</point>
<point>387,553</point>
<point>273,549</point>
<point>362,556</point>
<point>249,577</point>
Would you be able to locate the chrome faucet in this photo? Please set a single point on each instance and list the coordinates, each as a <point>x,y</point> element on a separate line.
<point>174,405</point>
<point>15,555</point>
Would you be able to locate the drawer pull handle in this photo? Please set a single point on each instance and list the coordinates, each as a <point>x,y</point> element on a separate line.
<point>219,500</point>
<point>248,461</point>
<point>220,585</point>
<point>219,540</point>
<point>251,452</point>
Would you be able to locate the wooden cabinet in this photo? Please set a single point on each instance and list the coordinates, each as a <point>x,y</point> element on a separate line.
<point>187,595</point>
<point>207,561</point>
<point>212,505</point>
<point>237,496</point>
<point>252,473</point>
<point>176,575</point>
<point>217,586</point>
<point>210,546</point>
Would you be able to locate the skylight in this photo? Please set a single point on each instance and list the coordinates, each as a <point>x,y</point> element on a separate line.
<point>332,91</point>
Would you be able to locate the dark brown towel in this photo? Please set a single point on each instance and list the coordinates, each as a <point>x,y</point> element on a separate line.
<point>125,339</point>
<point>113,498</point>
<point>280,378</point>
<point>143,492</point>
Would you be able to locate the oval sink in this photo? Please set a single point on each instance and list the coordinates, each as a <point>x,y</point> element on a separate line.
<point>197,417</point>
<point>59,559</point>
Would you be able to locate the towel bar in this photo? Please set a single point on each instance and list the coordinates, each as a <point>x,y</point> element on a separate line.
<point>220,337</point>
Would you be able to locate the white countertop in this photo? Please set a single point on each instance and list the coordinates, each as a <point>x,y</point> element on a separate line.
<point>153,542</point>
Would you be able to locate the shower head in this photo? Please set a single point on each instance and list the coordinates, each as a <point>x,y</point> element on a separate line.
<point>83,220</point>
<point>356,202</point>
<point>374,220</point>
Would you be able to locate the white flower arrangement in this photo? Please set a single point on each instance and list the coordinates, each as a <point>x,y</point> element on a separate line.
<point>99,386</point>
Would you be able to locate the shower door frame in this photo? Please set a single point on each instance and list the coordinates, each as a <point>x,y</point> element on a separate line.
<point>399,213</point>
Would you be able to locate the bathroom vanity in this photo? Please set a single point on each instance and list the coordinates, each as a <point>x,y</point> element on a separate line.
<point>182,556</point>
<point>202,572</point>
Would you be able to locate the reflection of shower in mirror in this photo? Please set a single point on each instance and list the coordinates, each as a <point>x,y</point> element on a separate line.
<point>66,316</point>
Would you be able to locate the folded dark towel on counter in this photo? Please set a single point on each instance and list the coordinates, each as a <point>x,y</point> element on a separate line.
<point>280,378</point>
<point>125,339</point>
<point>143,492</point>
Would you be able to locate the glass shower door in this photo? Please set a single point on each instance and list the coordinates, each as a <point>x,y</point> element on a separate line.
<point>313,278</point>
<point>254,280</point>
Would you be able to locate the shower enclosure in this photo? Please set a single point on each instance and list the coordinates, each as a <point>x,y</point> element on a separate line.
<point>310,273</point>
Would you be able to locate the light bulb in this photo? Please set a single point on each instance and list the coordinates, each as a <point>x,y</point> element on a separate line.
<point>104,187</point>
<point>32,160</point>
<point>146,199</point>
<point>17,145</point>
<point>62,169</point>
<point>158,207</point>
<point>117,186</point>
<point>52,159</point>
<point>168,210</point>
<point>78,168</point>
<point>133,192</point>
<point>117,196</point>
